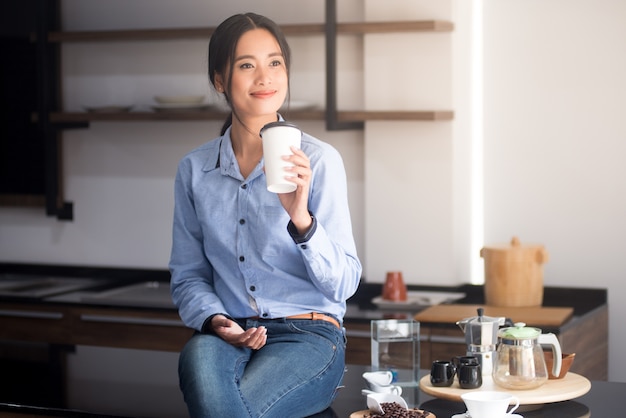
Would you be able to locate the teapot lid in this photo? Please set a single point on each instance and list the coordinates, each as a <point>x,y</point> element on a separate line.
<point>519,332</point>
<point>482,319</point>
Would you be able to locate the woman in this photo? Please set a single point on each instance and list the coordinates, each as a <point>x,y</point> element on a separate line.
<point>262,277</point>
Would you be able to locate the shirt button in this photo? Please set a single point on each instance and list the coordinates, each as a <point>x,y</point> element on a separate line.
<point>242,221</point>
<point>264,315</point>
<point>244,186</point>
<point>242,258</point>
<point>252,288</point>
<point>303,246</point>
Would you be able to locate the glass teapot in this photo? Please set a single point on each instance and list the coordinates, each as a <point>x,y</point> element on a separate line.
<point>520,363</point>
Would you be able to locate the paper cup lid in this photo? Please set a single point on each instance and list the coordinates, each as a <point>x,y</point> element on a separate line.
<point>278,123</point>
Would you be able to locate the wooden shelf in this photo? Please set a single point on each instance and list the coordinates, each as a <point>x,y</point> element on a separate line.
<point>396,27</point>
<point>410,115</point>
<point>293,30</point>
<point>343,116</point>
<point>72,117</point>
<point>20,200</point>
<point>353,28</point>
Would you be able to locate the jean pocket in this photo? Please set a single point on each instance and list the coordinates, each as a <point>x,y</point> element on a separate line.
<point>320,329</point>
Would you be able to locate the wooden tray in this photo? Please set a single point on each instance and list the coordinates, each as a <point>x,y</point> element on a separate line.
<point>532,316</point>
<point>367,412</point>
<point>571,386</point>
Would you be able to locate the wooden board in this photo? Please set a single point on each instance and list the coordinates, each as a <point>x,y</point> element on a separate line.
<point>533,316</point>
<point>366,413</point>
<point>571,386</point>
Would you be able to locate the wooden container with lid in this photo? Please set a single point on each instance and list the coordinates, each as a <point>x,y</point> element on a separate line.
<point>514,274</point>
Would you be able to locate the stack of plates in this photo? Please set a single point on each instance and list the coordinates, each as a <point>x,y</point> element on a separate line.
<point>180,103</point>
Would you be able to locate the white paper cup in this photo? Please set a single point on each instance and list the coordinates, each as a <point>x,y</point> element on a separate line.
<point>277,138</point>
<point>490,404</point>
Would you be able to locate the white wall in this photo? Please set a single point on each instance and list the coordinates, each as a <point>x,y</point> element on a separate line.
<point>408,165</point>
<point>555,141</point>
<point>553,87</point>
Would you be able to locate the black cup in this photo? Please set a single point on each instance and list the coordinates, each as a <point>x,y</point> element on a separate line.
<point>463,360</point>
<point>470,376</point>
<point>442,373</point>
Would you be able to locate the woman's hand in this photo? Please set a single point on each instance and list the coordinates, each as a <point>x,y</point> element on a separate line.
<point>232,333</point>
<point>296,202</point>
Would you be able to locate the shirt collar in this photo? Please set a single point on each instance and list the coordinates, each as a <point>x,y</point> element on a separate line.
<point>226,160</point>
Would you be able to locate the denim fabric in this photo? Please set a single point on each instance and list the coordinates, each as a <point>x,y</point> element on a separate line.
<point>296,374</point>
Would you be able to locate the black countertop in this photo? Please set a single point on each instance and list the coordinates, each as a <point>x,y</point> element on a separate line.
<point>360,306</point>
<point>603,400</point>
<point>583,300</point>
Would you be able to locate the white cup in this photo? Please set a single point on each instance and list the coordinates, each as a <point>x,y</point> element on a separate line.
<point>390,389</point>
<point>382,378</point>
<point>380,382</point>
<point>277,138</point>
<point>489,404</point>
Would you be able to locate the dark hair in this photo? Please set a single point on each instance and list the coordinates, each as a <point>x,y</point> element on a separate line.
<point>223,44</point>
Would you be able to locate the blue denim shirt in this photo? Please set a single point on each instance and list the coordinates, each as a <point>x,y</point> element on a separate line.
<point>232,252</point>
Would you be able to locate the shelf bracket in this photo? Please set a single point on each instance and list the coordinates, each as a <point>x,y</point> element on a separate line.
<point>332,122</point>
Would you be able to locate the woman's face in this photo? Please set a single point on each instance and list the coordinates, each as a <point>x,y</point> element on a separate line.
<point>259,77</point>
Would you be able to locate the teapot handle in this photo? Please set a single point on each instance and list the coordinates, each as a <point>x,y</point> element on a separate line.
<point>551,340</point>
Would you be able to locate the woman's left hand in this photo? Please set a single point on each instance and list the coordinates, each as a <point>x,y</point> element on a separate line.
<point>296,202</point>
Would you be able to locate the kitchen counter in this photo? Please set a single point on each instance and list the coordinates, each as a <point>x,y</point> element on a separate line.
<point>131,308</point>
<point>361,306</point>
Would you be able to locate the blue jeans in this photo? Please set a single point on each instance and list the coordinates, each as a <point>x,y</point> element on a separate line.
<point>296,373</point>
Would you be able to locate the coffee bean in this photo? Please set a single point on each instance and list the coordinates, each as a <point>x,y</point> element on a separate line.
<point>395,410</point>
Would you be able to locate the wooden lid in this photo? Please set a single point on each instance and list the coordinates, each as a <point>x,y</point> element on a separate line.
<point>516,252</point>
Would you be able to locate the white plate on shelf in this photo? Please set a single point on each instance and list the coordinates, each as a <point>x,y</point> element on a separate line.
<point>180,100</point>
<point>419,298</point>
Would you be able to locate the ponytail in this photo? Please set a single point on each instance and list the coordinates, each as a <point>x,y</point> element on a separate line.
<point>227,123</point>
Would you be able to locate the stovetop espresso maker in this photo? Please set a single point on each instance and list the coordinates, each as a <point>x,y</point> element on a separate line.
<point>481,338</point>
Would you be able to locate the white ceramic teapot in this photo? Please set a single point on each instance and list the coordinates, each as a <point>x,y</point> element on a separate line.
<point>520,363</point>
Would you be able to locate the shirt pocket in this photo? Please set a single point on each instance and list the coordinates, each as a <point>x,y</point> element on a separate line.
<point>271,236</point>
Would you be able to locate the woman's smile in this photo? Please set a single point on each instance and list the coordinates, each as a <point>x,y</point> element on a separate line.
<point>263,94</point>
